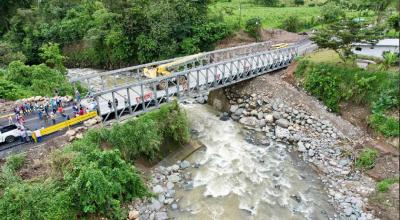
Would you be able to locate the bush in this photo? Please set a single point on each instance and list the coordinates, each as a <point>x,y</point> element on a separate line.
<point>144,136</point>
<point>383,186</point>
<point>299,2</point>
<point>13,164</point>
<point>88,178</point>
<point>323,83</point>
<point>267,2</point>
<point>332,84</point>
<point>253,28</point>
<point>11,91</point>
<point>35,201</point>
<point>22,80</point>
<point>387,125</point>
<point>292,23</point>
<point>331,12</point>
<point>366,159</point>
<point>101,181</point>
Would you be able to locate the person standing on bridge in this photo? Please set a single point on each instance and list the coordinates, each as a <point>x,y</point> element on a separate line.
<point>53,117</point>
<point>22,135</point>
<point>77,96</point>
<point>75,110</point>
<point>40,114</point>
<point>10,119</point>
<point>46,120</point>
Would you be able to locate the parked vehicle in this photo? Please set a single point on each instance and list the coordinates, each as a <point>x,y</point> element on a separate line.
<point>9,133</point>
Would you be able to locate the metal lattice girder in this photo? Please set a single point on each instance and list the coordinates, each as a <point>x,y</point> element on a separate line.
<point>115,78</point>
<point>148,94</point>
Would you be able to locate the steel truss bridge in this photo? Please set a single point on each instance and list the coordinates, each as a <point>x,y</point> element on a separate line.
<point>124,91</point>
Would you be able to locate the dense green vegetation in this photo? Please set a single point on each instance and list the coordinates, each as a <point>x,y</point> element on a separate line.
<point>366,159</point>
<point>100,34</point>
<point>110,34</point>
<point>383,186</point>
<point>46,79</point>
<point>378,90</point>
<point>92,176</point>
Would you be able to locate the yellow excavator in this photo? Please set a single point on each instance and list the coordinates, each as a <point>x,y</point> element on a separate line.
<point>280,46</point>
<point>167,69</point>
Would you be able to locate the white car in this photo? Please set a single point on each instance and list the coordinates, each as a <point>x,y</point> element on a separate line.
<point>9,133</point>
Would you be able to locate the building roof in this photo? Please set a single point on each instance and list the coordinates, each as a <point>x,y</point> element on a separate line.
<point>384,42</point>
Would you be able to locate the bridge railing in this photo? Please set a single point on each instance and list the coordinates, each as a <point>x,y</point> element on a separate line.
<point>114,78</point>
<point>139,97</point>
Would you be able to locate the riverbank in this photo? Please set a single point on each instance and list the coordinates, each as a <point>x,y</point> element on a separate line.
<point>323,139</point>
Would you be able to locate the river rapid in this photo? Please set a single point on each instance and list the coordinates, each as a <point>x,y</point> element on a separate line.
<point>237,179</point>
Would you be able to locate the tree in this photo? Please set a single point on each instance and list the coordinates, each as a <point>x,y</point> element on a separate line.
<point>253,27</point>
<point>298,2</point>
<point>292,23</point>
<point>394,21</point>
<point>51,55</point>
<point>267,2</point>
<point>7,54</point>
<point>341,35</point>
<point>8,9</point>
<point>331,12</point>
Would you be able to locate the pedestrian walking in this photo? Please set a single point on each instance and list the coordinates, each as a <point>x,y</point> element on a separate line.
<point>46,119</point>
<point>53,117</point>
<point>40,114</point>
<point>22,135</point>
<point>82,111</point>
<point>35,106</point>
<point>116,102</point>
<point>109,104</point>
<point>10,120</point>
<point>75,109</point>
<point>77,96</point>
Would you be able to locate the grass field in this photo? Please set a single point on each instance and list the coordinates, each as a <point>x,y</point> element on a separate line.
<point>271,17</point>
<point>331,57</point>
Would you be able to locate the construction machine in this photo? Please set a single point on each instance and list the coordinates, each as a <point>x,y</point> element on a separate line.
<point>280,46</point>
<point>167,69</point>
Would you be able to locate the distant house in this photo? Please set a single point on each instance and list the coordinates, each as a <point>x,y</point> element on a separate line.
<point>377,50</point>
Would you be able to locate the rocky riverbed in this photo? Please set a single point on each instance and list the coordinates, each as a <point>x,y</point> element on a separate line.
<point>317,142</point>
<point>272,127</point>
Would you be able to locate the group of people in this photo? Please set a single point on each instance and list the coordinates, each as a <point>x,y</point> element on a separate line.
<point>48,110</point>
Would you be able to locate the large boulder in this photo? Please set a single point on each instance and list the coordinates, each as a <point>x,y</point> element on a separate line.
<point>239,111</point>
<point>282,132</point>
<point>233,108</point>
<point>269,118</point>
<point>249,121</point>
<point>133,214</point>
<point>283,123</point>
<point>90,122</point>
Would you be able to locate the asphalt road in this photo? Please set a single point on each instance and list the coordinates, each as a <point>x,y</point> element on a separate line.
<point>32,122</point>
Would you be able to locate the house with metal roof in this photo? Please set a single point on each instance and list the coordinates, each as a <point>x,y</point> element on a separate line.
<point>377,50</point>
